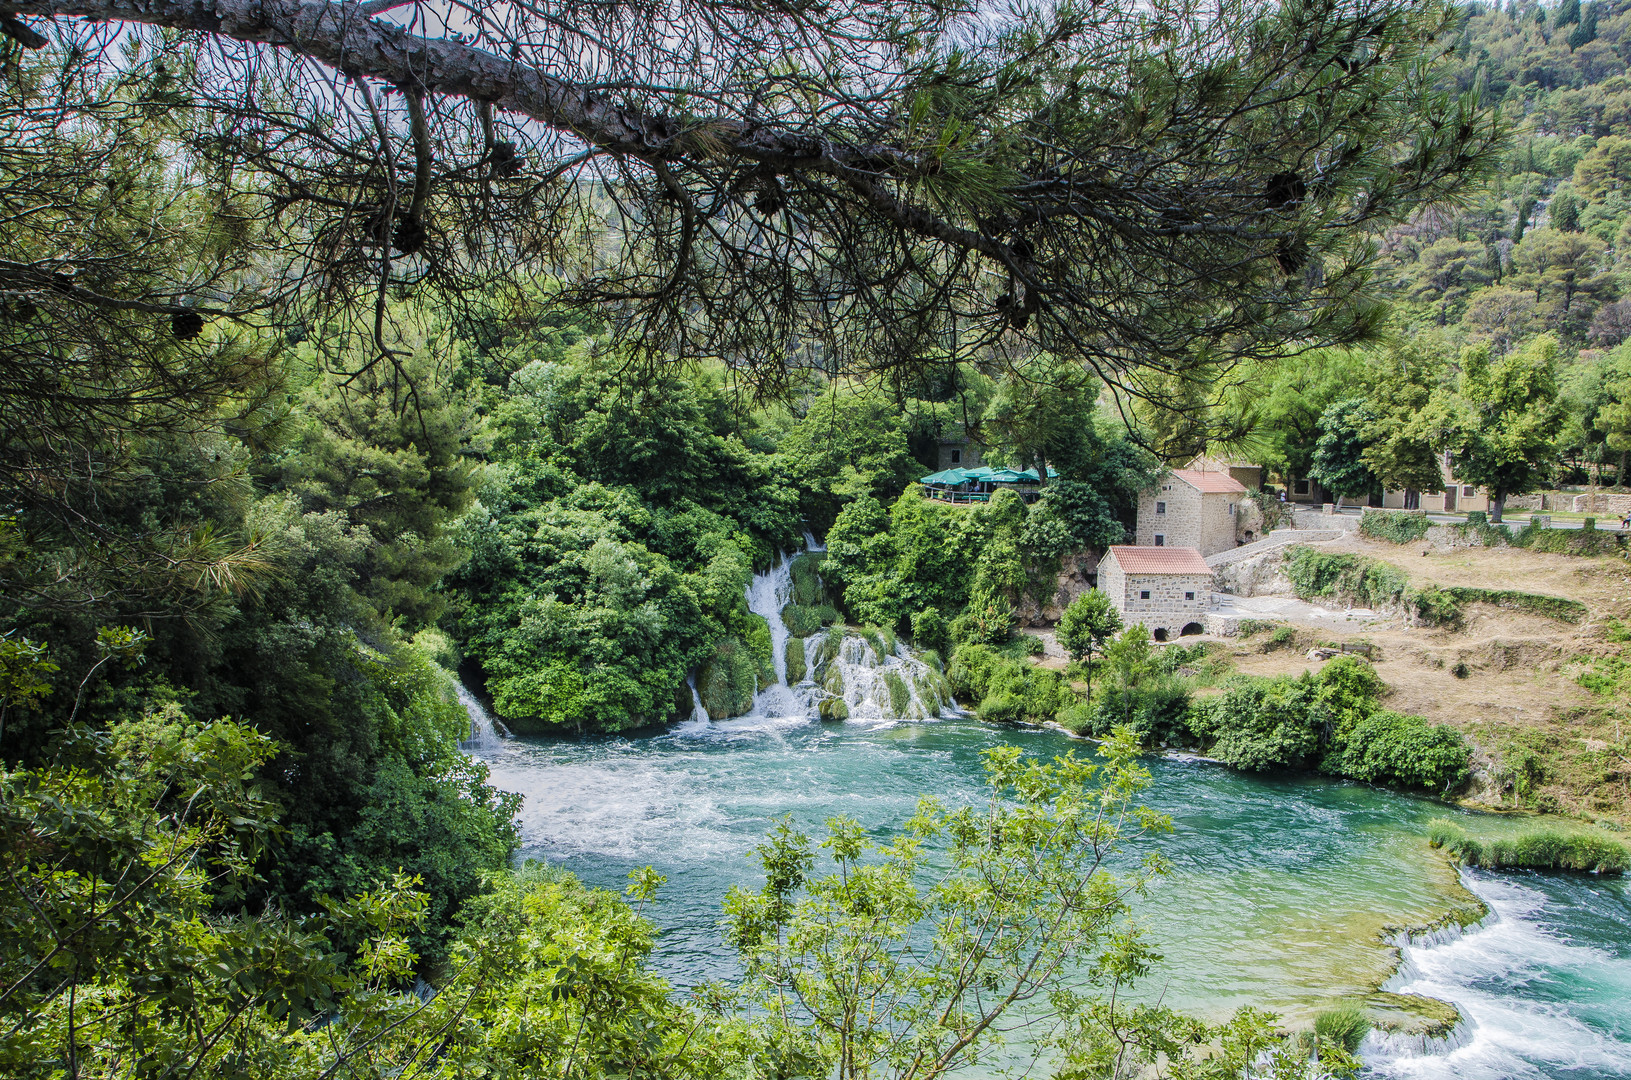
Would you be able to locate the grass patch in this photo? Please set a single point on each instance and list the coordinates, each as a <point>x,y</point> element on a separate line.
<point>1345,1026</point>
<point>1376,584</point>
<point>1560,608</point>
<point>1248,627</point>
<point>1534,849</point>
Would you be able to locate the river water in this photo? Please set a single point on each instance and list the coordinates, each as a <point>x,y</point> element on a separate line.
<point>1279,890</point>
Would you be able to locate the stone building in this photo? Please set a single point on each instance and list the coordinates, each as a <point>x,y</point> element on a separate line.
<point>1191,508</point>
<point>1168,589</point>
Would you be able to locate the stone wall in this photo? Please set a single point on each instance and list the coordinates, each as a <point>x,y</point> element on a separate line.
<point>1181,524</point>
<point>1179,593</point>
<point>1217,522</point>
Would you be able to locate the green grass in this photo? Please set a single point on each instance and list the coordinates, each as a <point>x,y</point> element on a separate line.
<point>1539,848</point>
<point>1344,1026</point>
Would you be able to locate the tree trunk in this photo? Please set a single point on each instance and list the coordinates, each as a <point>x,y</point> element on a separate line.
<point>1619,475</point>
<point>1497,504</point>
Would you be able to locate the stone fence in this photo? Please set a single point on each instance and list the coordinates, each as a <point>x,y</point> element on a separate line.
<point>1572,502</point>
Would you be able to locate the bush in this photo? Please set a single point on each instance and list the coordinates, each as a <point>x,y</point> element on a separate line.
<point>1248,627</point>
<point>1569,541</point>
<point>806,571</point>
<point>1262,724</point>
<point>1394,526</point>
<point>1155,711</point>
<point>793,653</point>
<point>1406,751</point>
<point>763,648</point>
<point>801,621</point>
<point>1561,608</point>
<point>1533,849</point>
<point>929,630</point>
<point>1007,690</point>
<point>1345,577</point>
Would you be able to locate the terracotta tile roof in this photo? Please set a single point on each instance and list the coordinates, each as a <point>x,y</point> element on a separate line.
<point>1159,560</point>
<point>1208,482</point>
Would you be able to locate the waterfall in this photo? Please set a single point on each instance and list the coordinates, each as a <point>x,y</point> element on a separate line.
<point>848,674</point>
<point>487,734</point>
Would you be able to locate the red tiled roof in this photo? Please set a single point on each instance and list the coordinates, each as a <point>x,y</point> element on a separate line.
<point>1159,560</point>
<point>1208,482</point>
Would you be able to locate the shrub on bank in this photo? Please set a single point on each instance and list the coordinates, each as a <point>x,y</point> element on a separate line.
<point>1007,690</point>
<point>1405,751</point>
<point>1535,849</point>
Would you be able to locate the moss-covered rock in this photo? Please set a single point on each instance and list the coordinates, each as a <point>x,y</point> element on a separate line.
<point>900,695</point>
<point>794,653</point>
<point>801,620</point>
<point>833,708</point>
<point>763,648</point>
<point>728,679</point>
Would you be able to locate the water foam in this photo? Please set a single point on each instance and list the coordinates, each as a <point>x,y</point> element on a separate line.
<point>487,733</point>
<point>1532,1002</point>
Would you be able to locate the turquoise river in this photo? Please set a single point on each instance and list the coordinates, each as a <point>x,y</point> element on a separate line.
<point>1280,891</point>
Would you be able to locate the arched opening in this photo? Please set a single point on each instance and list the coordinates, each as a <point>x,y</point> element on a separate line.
<point>1190,629</point>
<point>1248,536</point>
<point>1160,633</point>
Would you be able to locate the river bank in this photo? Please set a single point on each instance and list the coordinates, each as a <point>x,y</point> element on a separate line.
<point>1284,891</point>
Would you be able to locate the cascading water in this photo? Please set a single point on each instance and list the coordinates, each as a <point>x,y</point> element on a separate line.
<point>1535,1000</point>
<point>487,734</point>
<point>848,674</point>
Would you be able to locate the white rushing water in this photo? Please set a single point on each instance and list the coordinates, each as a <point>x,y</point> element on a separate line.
<point>487,733</point>
<point>1534,1002</point>
<point>874,676</point>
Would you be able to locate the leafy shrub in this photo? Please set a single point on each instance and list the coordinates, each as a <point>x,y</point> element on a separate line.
<point>1007,690</point>
<point>900,695</point>
<point>806,572</point>
<point>1282,636</point>
<point>1407,751</point>
<point>1568,541</point>
<point>1261,724</point>
<point>1156,711</point>
<point>1394,526</point>
<point>929,630</point>
<point>1436,606</point>
<point>1534,849</point>
<point>762,646</point>
<point>1461,670</point>
<point>801,621</point>
<point>1248,627</point>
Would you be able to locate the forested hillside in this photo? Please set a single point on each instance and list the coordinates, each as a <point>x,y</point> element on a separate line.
<point>1528,270</point>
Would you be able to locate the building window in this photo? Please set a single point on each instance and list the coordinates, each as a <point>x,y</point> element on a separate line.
<point>1143,594</point>
<point>1189,596</point>
<point>1231,509</point>
<point>1469,490</point>
<point>956,457</point>
<point>1160,508</point>
<point>1302,487</point>
<point>1160,539</point>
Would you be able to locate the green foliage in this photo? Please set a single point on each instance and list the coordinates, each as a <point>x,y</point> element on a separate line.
<point>793,659</point>
<point>1534,849</point>
<point>1569,541</point>
<point>980,907</point>
<point>1344,1026</point>
<point>1353,578</point>
<point>1087,624</point>
<point>1404,751</point>
<point>1328,721</point>
<point>1338,463</point>
<point>1503,435</point>
<point>1394,526</point>
<point>1006,690</point>
<point>929,630</point>
<point>728,680</point>
<point>1561,608</point>
<point>611,548</point>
